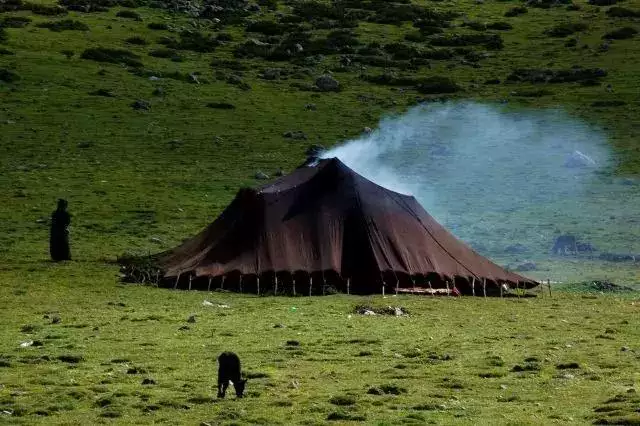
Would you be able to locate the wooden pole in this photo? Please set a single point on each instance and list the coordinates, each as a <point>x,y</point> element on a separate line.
<point>222,283</point>
<point>397,285</point>
<point>240,283</point>
<point>549,285</point>
<point>294,285</point>
<point>190,278</point>
<point>431,288</point>
<point>484,287</point>
<point>209,286</point>
<point>382,280</point>
<point>310,284</point>
<point>258,285</point>
<point>448,291</point>
<point>348,286</point>
<point>501,285</point>
<point>275,288</point>
<point>175,286</point>
<point>473,286</point>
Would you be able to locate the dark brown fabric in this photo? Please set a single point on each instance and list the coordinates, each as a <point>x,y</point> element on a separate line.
<point>326,217</point>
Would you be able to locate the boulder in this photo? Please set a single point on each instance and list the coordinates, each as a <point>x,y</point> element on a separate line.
<point>578,160</point>
<point>326,83</point>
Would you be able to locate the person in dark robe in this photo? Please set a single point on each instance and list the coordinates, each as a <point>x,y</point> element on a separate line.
<point>59,240</point>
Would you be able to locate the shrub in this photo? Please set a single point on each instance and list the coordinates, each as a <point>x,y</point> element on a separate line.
<point>343,400</point>
<point>515,11</point>
<point>15,22</point>
<point>129,14</point>
<point>158,26</point>
<point>437,85</point>
<point>114,56</point>
<point>547,4</point>
<point>621,33</point>
<point>566,29</point>
<point>311,10</point>
<point>269,4</point>
<point>475,25</point>
<point>137,40</point>
<point>500,26</point>
<point>490,41</point>
<point>64,25</point>
<point>8,76</point>
<point>42,9</point>
<point>623,12</point>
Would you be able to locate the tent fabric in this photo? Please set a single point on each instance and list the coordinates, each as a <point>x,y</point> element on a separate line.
<point>326,217</point>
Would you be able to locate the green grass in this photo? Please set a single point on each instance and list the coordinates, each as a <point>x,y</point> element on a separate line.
<point>143,180</point>
<point>451,361</point>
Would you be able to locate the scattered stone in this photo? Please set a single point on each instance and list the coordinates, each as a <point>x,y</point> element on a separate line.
<point>578,160</point>
<point>155,240</point>
<point>326,83</point>
<point>148,381</point>
<point>568,376</point>
<point>367,130</point>
<point>296,135</point>
<point>184,328</point>
<point>207,303</point>
<point>26,344</point>
<point>141,105</point>
<point>625,349</point>
<point>261,176</point>
<point>191,319</point>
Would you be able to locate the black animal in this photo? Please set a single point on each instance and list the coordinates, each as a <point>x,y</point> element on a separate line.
<point>229,370</point>
<point>59,237</point>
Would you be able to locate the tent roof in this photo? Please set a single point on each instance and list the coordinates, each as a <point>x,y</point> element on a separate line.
<point>324,216</point>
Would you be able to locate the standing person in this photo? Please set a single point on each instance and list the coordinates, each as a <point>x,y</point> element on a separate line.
<point>59,239</point>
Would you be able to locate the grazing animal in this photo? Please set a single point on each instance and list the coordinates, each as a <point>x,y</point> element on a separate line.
<point>229,370</point>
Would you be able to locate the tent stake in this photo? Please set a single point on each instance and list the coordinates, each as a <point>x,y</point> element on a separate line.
<point>473,286</point>
<point>484,287</point>
<point>175,286</point>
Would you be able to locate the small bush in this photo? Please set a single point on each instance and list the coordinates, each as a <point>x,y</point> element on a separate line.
<point>64,25</point>
<point>500,26</point>
<point>15,22</point>
<point>129,14</point>
<point>392,389</point>
<point>568,366</point>
<point>566,29</point>
<point>163,53</point>
<point>515,11</point>
<point>437,85</point>
<point>158,26</point>
<point>114,56</point>
<point>8,76</point>
<point>224,37</point>
<point>137,40</point>
<point>45,10</point>
<point>622,12</point>
<point>621,33</point>
<point>343,400</point>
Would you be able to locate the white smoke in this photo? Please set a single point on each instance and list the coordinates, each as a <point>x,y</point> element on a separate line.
<point>469,164</point>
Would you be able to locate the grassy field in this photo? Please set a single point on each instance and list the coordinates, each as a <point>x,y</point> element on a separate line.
<point>142,180</point>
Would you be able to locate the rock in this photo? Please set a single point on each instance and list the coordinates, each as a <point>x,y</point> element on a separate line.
<point>191,319</point>
<point>261,176</point>
<point>154,78</point>
<point>315,150</point>
<point>326,83</point>
<point>568,376</point>
<point>278,326</point>
<point>141,105</point>
<point>526,266</point>
<point>148,381</point>
<point>193,78</point>
<point>298,47</point>
<point>26,344</point>
<point>271,74</point>
<point>578,160</point>
<point>55,319</point>
<point>516,249</point>
<point>367,130</point>
<point>155,240</point>
<point>368,312</point>
<point>625,349</point>
<point>297,135</point>
<point>207,303</point>
<point>310,107</point>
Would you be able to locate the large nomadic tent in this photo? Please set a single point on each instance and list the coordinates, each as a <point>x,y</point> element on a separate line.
<point>325,226</point>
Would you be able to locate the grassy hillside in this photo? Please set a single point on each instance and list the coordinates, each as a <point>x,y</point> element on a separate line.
<point>149,146</point>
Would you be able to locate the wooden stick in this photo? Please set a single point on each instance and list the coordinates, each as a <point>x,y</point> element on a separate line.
<point>397,285</point>
<point>209,286</point>
<point>258,285</point>
<point>348,286</point>
<point>448,291</point>
<point>431,288</point>
<point>240,283</point>
<point>310,284</point>
<point>549,285</point>
<point>275,288</point>
<point>190,278</point>
<point>222,283</point>
<point>473,286</point>
<point>484,287</point>
<point>294,285</point>
<point>175,286</point>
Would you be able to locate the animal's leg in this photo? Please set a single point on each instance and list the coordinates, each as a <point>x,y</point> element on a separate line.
<point>222,388</point>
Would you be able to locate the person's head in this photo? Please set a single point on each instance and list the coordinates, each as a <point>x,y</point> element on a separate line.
<point>62,204</point>
<point>239,387</point>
